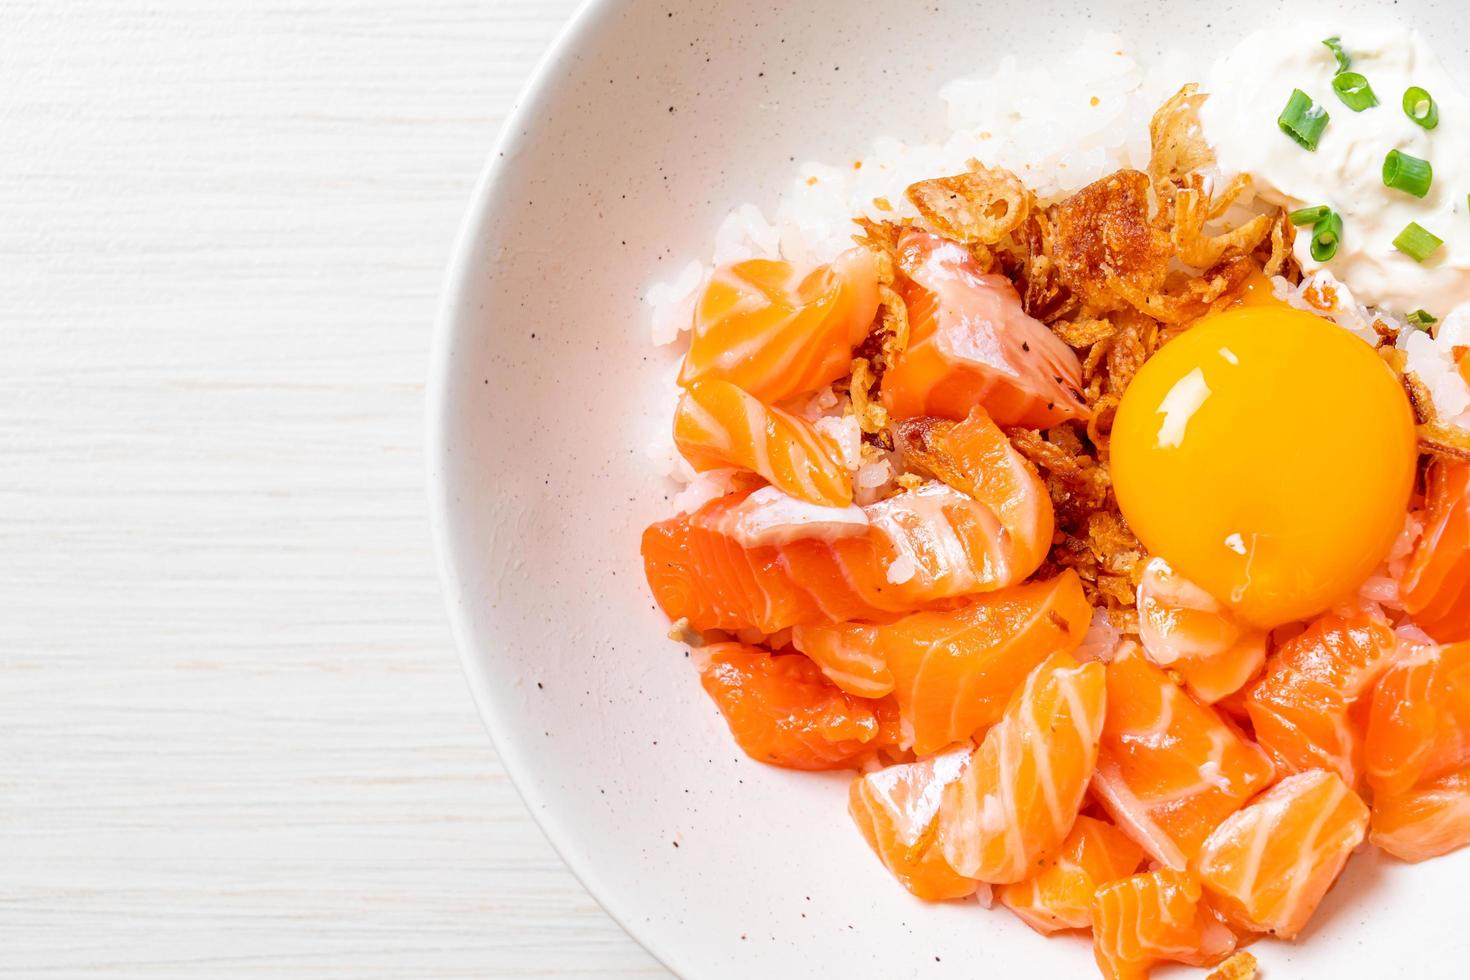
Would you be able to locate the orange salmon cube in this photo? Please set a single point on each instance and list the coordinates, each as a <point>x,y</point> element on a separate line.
<point>1270,864</point>
<point>1060,895</point>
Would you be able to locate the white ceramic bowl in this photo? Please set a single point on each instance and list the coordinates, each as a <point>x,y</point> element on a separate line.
<point>643,125</point>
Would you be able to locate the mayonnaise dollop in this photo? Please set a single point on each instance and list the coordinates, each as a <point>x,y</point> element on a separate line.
<point>1248,88</point>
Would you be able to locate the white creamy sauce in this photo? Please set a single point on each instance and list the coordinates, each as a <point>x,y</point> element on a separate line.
<point>1249,87</point>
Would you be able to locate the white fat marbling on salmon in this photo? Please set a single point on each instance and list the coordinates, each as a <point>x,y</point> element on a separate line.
<point>1020,796</point>
<point>1017,368</point>
<point>717,424</point>
<point>1275,859</point>
<point>1181,757</point>
<point>921,531</point>
<point>911,794</point>
<point>1429,820</point>
<point>750,301</point>
<point>769,517</point>
<point>849,655</point>
<point>1153,917</point>
<point>1134,815</point>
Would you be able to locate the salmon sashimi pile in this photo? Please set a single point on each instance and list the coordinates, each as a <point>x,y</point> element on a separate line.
<point>1134,592</point>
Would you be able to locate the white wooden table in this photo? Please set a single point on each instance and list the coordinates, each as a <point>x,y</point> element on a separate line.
<point>234,738</point>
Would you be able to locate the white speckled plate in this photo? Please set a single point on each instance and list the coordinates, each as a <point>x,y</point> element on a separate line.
<point>646,122</point>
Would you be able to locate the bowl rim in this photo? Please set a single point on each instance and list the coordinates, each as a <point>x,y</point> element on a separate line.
<point>579,28</point>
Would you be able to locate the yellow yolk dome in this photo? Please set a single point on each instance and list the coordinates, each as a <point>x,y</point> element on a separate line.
<point>1269,456</point>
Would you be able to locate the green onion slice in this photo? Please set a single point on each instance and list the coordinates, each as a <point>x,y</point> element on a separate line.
<point>1303,120</point>
<point>1308,216</point>
<point>1417,242</point>
<point>1421,319</point>
<point>1420,106</point>
<point>1354,91</point>
<point>1408,174</point>
<point>1326,234</point>
<point>1334,44</point>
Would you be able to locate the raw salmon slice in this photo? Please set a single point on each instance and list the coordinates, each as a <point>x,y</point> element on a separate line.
<point>1170,769</point>
<point>940,543</point>
<point>1419,721</point>
<point>1435,588</point>
<point>1185,629</point>
<point>1060,895</point>
<point>1151,918</point>
<point>953,672</point>
<point>782,711</point>
<point>699,570</point>
<point>1019,797</point>
<point>1429,820</point>
<point>975,458</point>
<point>773,332</point>
<point>971,343</point>
<point>766,561</point>
<point>1232,708</point>
<point>850,654</point>
<point>717,425</point>
<point>1309,709</point>
<point>897,810</point>
<point>1269,865</point>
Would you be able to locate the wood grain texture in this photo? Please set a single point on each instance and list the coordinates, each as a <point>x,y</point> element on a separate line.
<point>234,737</point>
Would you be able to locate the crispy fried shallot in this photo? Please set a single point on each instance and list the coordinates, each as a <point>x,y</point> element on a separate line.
<point>1177,144</point>
<point>982,206</point>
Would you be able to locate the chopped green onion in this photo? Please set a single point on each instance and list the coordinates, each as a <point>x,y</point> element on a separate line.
<point>1408,174</point>
<point>1420,106</point>
<point>1420,319</point>
<point>1334,44</point>
<point>1416,242</point>
<point>1303,120</point>
<point>1326,233</point>
<point>1354,91</point>
<point>1309,216</point>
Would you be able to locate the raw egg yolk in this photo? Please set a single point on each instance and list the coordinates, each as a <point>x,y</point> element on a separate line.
<point>1268,455</point>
